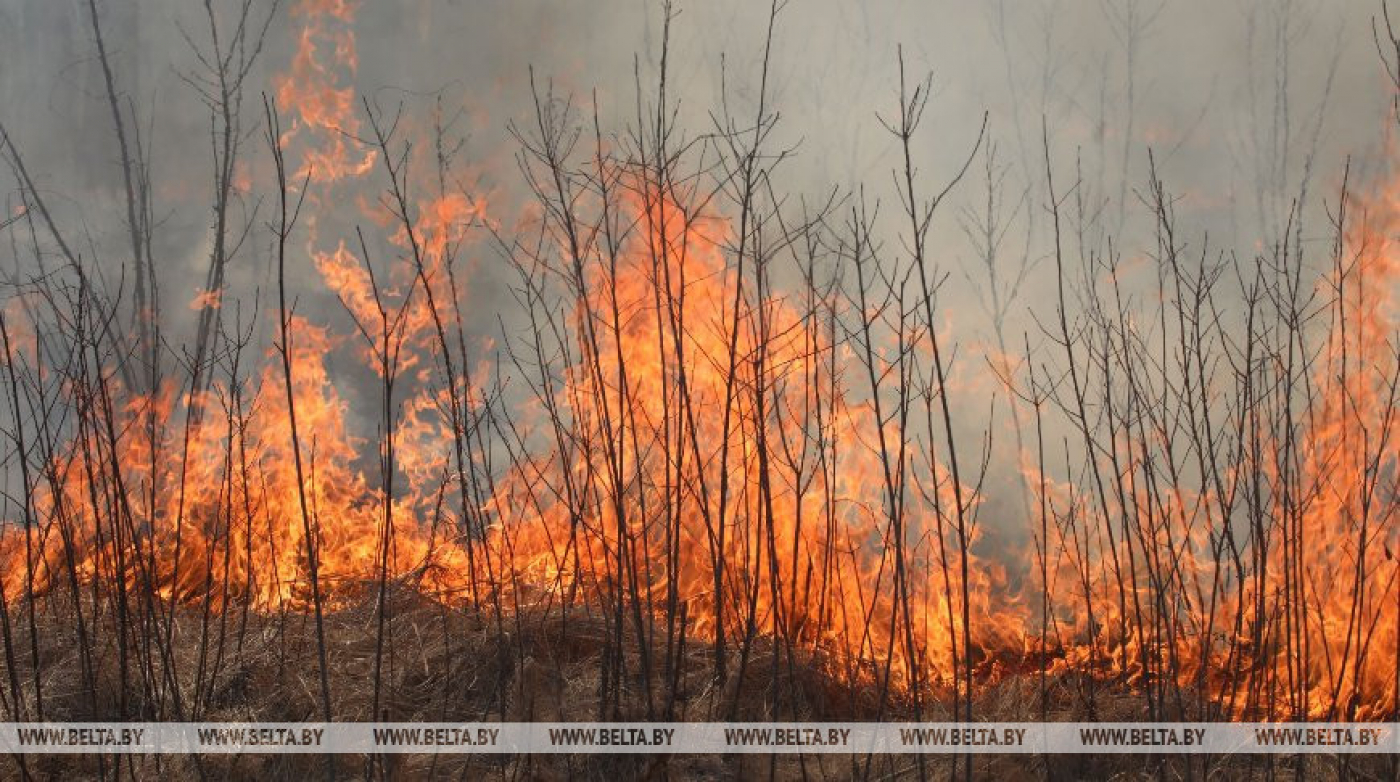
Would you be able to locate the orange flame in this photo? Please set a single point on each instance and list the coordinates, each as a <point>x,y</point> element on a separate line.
<point>650,419</point>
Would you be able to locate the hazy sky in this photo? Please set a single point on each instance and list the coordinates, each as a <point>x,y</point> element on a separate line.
<point>1229,95</point>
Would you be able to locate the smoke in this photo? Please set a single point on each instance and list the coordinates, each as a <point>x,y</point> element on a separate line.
<point>1246,109</point>
<point>1228,97</point>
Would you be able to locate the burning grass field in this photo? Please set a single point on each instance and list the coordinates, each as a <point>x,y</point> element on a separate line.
<point>724,457</point>
<point>451,665</point>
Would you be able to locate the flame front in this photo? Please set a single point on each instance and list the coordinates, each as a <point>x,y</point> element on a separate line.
<point>700,446</point>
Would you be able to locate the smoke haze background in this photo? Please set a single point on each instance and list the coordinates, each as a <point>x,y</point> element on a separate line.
<point>1232,97</point>
<point>1247,107</point>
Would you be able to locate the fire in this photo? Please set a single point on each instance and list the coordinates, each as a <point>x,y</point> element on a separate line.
<point>809,555</point>
<point>315,87</point>
<point>1308,625</point>
<point>700,442</point>
<point>1345,529</point>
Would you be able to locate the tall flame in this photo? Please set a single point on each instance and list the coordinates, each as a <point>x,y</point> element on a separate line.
<point>693,456</point>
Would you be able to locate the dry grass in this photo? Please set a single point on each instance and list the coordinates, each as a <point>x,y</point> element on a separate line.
<point>444,664</point>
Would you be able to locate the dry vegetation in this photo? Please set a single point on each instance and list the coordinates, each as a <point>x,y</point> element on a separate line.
<point>718,464</point>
